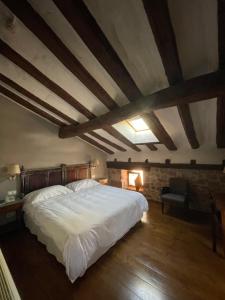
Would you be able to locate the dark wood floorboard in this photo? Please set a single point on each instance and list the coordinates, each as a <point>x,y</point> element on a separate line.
<point>164,257</point>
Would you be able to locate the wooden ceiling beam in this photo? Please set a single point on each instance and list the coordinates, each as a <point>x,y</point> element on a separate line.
<point>159,131</point>
<point>149,119</point>
<point>32,20</point>
<point>30,106</point>
<point>151,146</point>
<point>159,19</point>
<point>96,144</point>
<point>78,15</point>
<point>196,89</point>
<point>52,109</point>
<point>47,116</point>
<point>220,122</point>
<point>186,119</point>
<point>31,96</point>
<point>221,32</point>
<point>101,138</point>
<point>220,118</point>
<point>21,62</point>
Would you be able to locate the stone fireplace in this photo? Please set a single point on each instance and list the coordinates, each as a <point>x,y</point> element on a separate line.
<point>201,183</point>
<point>125,178</point>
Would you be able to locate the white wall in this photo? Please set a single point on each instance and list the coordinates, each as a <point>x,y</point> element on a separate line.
<point>29,140</point>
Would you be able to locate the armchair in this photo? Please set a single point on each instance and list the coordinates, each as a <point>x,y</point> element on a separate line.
<point>177,192</point>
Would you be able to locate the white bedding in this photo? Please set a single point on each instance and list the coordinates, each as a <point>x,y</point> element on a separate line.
<point>84,224</point>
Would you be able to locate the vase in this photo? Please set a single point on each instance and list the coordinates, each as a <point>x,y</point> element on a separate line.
<point>138,182</point>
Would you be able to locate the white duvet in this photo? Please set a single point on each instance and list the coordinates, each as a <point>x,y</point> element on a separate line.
<point>85,223</point>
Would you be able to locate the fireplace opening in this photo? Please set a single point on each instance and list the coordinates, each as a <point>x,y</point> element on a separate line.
<point>132,175</point>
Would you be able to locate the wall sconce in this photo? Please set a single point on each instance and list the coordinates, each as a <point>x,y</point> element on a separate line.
<point>95,163</point>
<point>13,170</point>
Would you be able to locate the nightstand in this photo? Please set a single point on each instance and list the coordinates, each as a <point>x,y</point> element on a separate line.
<point>8,207</point>
<point>103,180</point>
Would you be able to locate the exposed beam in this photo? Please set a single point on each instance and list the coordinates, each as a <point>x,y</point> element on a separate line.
<point>152,147</point>
<point>86,26</point>
<point>196,89</point>
<point>147,165</point>
<point>31,96</point>
<point>29,106</point>
<point>52,109</point>
<point>111,130</point>
<point>159,19</point>
<point>220,118</point>
<point>221,32</point>
<point>159,131</point>
<point>185,115</point>
<point>21,62</point>
<point>47,116</point>
<point>38,26</point>
<point>96,144</point>
<point>32,20</point>
<point>220,122</point>
<point>101,138</point>
<point>152,143</point>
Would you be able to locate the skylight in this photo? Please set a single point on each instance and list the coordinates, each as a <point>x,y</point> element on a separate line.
<point>136,130</point>
<point>138,124</point>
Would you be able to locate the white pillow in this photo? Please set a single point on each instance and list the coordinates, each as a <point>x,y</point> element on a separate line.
<point>76,186</point>
<point>46,193</point>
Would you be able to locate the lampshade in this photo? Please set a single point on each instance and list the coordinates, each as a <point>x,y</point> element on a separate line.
<point>95,163</point>
<point>13,169</point>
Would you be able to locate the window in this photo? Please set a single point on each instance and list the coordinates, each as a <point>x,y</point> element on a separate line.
<point>136,130</point>
<point>132,175</point>
<point>138,124</point>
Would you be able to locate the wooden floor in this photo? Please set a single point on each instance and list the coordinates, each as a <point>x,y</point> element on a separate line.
<point>162,258</point>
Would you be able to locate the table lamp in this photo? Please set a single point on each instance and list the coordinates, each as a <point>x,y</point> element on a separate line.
<point>13,170</point>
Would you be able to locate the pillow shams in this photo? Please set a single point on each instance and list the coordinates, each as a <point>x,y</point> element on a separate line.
<point>76,186</point>
<point>46,193</point>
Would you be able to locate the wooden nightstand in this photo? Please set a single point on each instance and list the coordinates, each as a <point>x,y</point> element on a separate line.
<point>8,207</point>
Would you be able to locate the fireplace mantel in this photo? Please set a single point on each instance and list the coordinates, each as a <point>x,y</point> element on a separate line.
<point>147,165</point>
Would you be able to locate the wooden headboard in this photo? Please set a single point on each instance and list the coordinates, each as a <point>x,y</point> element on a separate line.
<point>34,179</point>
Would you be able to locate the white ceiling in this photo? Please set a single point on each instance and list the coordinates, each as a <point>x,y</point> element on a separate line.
<point>126,26</point>
<point>195,26</point>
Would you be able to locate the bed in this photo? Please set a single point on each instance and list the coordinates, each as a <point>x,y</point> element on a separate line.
<point>78,225</point>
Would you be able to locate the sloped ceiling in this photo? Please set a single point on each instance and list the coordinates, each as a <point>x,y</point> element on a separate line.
<point>126,26</point>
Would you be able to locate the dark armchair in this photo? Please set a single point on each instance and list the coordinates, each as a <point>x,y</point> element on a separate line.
<point>176,193</point>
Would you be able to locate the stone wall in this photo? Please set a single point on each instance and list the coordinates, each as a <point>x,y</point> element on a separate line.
<point>201,182</point>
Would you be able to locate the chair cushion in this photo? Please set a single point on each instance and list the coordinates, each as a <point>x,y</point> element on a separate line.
<point>173,197</point>
<point>178,186</point>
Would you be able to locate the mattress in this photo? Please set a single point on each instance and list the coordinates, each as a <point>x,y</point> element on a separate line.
<point>80,227</point>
